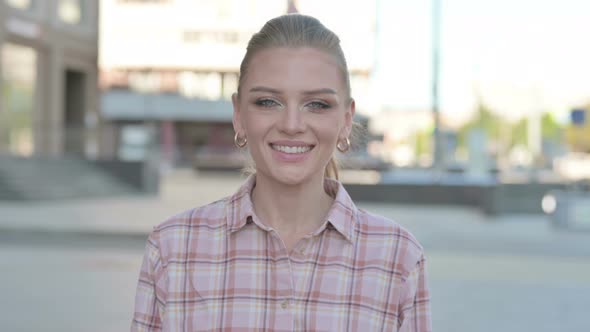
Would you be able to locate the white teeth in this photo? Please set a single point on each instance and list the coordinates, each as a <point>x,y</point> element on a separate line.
<point>291,149</point>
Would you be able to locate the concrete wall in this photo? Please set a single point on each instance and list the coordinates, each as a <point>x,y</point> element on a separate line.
<point>491,199</point>
<point>517,198</point>
<point>140,175</point>
<point>59,46</point>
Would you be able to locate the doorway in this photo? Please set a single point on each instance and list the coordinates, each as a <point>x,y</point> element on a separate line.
<point>74,112</point>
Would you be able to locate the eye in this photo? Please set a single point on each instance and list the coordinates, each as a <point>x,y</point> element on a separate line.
<point>318,105</point>
<point>265,102</point>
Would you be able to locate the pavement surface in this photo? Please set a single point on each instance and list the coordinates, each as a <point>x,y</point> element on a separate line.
<point>73,265</point>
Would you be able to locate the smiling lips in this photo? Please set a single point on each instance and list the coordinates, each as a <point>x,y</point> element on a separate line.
<point>291,149</point>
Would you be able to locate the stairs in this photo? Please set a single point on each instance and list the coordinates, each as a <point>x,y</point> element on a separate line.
<point>45,178</point>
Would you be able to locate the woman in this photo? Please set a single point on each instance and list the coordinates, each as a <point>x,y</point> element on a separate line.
<point>289,251</point>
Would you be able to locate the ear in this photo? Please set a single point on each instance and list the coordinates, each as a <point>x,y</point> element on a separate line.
<point>348,119</point>
<point>236,119</point>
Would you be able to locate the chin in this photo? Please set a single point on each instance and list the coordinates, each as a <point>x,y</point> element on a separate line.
<point>291,174</point>
<point>291,177</point>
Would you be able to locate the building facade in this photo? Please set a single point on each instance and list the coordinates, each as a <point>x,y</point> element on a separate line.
<point>48,70</point>
<point>171,66</point>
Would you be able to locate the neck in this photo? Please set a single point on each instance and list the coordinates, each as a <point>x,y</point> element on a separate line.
<point>292,210</point>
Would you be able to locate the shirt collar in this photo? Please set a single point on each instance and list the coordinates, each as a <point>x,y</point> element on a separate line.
<point>239,207</point>
<point>341,216</point>
<point>343,213</point>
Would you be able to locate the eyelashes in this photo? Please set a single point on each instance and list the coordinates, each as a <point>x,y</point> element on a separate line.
<point>266,103</point>
<point>315,105</point>
<point>318,105</point>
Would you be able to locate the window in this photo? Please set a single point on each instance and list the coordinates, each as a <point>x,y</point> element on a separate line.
<point>70,11</point>
<point>20,4</point>
<point>230,85</point>
<point>145,82</point>
<point>211,37</point>
<point>143,1</point>
<point>17,86</point>
<point>200,85</point>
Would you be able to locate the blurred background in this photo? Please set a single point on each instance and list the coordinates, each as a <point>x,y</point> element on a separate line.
<point>116,114</point>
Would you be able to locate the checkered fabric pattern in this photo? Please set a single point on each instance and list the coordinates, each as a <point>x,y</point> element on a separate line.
<point>219,268</point>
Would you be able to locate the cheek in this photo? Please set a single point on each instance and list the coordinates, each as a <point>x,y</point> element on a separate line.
<point>253,124</point>
<point>257,129</point>
<point>328,137</point>
<point>330,130</point>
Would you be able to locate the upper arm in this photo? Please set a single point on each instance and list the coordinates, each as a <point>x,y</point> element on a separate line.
<point>415,315</point>
<point>149,302</point>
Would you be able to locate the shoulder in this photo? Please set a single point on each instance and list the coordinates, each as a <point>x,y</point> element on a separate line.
<point>399,244</point>
<point>374,224</point>
<point>193,222</point>
<point>210,215</point>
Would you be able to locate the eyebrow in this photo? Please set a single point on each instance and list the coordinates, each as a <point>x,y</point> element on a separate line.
<point>264,89</point>
<point>309,92</point>
<point>320,91</point>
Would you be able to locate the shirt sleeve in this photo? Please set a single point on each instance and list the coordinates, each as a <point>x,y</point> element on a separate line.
<point>415,315</point>
<point>149,305</point>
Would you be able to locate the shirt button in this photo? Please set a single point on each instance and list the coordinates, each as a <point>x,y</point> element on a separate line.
<point>285,304</point>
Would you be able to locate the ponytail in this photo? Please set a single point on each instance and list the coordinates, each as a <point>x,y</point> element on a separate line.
<point>331,170</point>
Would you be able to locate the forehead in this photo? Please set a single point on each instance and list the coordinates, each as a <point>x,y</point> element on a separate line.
<point>294,69</point>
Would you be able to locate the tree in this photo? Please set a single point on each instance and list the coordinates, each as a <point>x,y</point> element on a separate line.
<point>550,129</point>
<point>519,133</point>
<point>423,141</point>
<point>484,119</point>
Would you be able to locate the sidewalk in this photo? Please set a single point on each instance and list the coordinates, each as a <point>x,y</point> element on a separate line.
<point>132,215</point>
<point>180,191</point>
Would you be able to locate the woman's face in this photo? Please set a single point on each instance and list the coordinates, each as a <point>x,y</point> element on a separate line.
<point>293,109</point>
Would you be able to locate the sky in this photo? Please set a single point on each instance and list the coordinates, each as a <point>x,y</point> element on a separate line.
<point>517,56</point>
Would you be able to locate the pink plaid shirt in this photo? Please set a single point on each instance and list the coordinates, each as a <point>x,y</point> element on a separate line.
<point>219,268</point>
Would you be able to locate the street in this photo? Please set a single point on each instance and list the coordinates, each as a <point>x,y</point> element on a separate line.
<point>52,288</point>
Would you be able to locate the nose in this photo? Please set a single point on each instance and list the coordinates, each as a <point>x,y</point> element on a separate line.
<point>292,121</point>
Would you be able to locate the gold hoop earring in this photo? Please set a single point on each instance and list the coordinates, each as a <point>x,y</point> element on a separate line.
<point>240,142</point>
<point>343,145</point>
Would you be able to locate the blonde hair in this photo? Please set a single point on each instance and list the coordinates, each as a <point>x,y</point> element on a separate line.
<point>293,31</point>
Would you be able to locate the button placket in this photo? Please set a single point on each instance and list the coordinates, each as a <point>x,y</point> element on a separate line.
<point>304,245</point>
<point>285,304</point>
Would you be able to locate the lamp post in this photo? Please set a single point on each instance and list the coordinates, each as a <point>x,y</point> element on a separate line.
<point>438,146</point>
